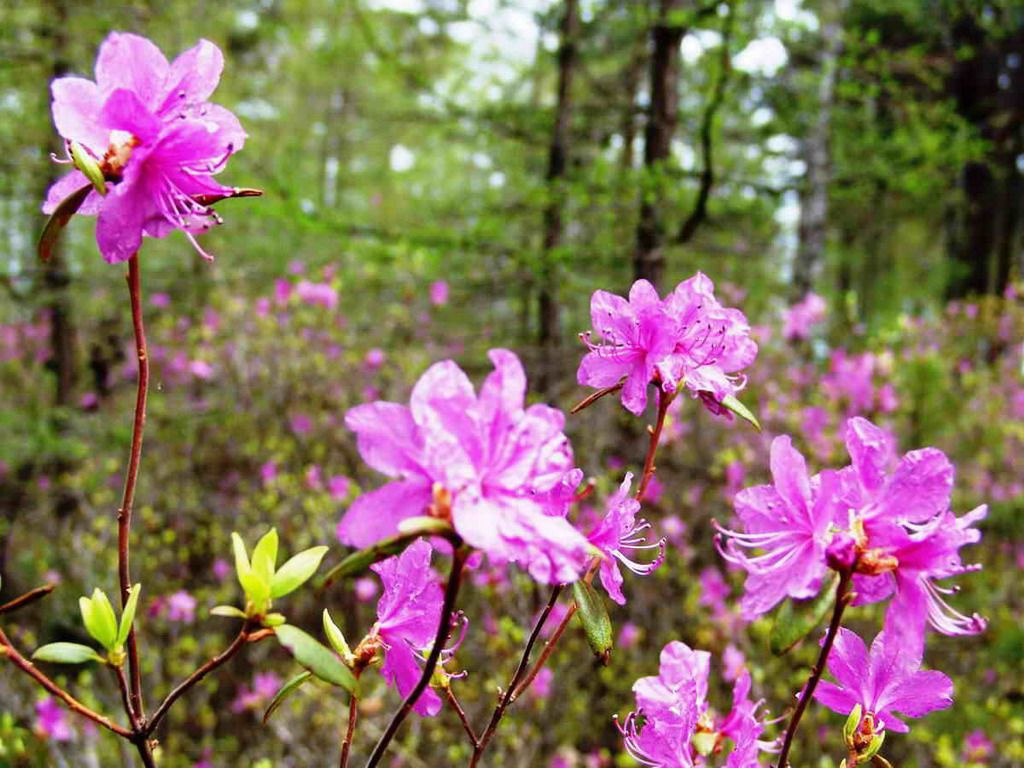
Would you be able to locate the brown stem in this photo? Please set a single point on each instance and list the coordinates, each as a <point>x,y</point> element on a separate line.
<point>236,645</point>
<point>549,648</point>
<point>124,514</point>
<point>449,696</point>
<point>26,599</point>
<point>524,660</point>
<point>26,666</point>
<point>122,683</point>
<point>595,396</point>
<point>451,592</point>
<point>346,744</point>
<point>664,399</point>
<point>842,599</point>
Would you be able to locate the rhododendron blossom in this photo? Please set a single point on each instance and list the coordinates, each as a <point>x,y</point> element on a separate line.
<point>886,680</point>
<point>687,338</point>
<point>673,725</point>
<point>619,532</point>
<point>407,617</point>
<point>156,137</point>
<point>492,467</point>
<point>800,318</point>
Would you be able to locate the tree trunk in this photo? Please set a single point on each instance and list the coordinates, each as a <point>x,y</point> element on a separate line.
<point>813,227</point>
<point>549,334</point>
<point>666,36</point>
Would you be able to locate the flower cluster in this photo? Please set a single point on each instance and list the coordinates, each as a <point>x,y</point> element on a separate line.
<point>156,139</point>
<point>687,338</point>
<point>673,725</point>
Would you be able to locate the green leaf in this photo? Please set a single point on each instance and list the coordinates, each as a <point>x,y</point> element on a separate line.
<point>242,567</point>
<point>100,619</point>
<point>59,219</point>
<point>264,557</point>
<point>228,610</point>
<point>87,164</point>
<point>128,615</point>
<point>274,620</point>
<point>796,619</point>
<point>734,405</point>
<point>593,614</point>
<point>412,529</point>
<point>315,657</point>
<point>286,690</point>
<point>335,636</point>
<point>66,653</point>
<point>296,571</point>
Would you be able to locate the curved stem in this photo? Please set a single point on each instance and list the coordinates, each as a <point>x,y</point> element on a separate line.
<point>524,660</point>
<point>236,645</point>
<point>26,666</point>
<point>21,601</point>
<point>664,399</point>
<point>843,597</point>
<point>451,592</point>
<point>346,743</point>
<point>549,648</point>
<point>467,726</point>
<point>124,514</point>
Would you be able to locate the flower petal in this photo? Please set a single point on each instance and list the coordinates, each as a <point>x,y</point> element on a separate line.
<point>193,76</point>
<point>375,515</point>
<point>76,111</point>
<point>132,62</point>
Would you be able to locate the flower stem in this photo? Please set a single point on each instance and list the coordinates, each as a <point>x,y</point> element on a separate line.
<point>664,399</point>
<point>549,648</point>
<point>451,592</point>
<point>524,660</point>
<point>124,514</point>
<point>346,743</point>
<point>9,651</point>
<point>467,726</point>
<point>26,599</point>
<point>843,597</point>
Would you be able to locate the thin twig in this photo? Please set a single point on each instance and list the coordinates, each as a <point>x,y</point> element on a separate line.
<point>346,743</point>
<point>842,600</point>
<point>236,645</point>
<point>524,660</point>
<point>451,592</point>
<point>454,703</point>
<point>21,601</point>
<point>549,648</point>
<point>124,514</point>
<point>122,683</point>
<point>26,666</point>
<point>595,396</point>
<point>664,399</point>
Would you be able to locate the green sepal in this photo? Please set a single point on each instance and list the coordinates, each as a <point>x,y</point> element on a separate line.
<point>315,657</point>
<point>593,615</point>
<point>733,404</point>
<point>87,164</point>
<point>296,571</point>
<point>874,746</point>
<point>66,653</point>
<point>286,690</point>
<point>796,619</point>
<point>128,615</point>
<point>274,620</point>
<point>850,727</point>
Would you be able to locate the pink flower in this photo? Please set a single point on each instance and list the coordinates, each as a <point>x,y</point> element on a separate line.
<point>366,589</point>
<point>885,681</point>
<point>541,687</point>
<point>672,709</point>
<point>268,472</point>
<point>323,294</point>
<point>439,293</point>
<point>338,487</point>
<point>201,369</point>
<point>158,140</point>
<point>160,300</point>
<point>374,359</point>
<point>492,467</point>
<point>181,607</point>
<point>221,569</point>
<point>407,618</point>
<point>978,747</point>
<point>629,635</point>
<point>687,338</point>
<point>789,521</point>
<point>618,533</point>
<point>52,720</point>
<point>799,319</point>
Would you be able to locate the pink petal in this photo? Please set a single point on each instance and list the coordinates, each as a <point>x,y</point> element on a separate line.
<point>123,210</point>
<point>387,437</point>
<point>64,187</point>
<point>124,111</point>
<point>193,76</point>
<point>835,698</point>
<point>848,660</point>
<point>376,515</point>
<point>789,473</point>
<point>76,111</point>
<point>871,450</point>
<point>132,62</point>
<point>922,692</point>
<point>921,486</point>
<point>401,668</point>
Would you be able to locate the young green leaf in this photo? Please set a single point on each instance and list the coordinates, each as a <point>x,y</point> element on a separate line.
<point>274,620</point>
<point>101,621</point>
<point>264,556</point>
<point>286,690</point>
<point>734,405</point>
<point>795,620</point>
<point>593,615</point>
<point>88,166</point>
<point>296,571</point>
<point>66,653</point>
<point>335,636</point>
<point>227,610</point>
<point>242,566</point>
<point>128,615</point>
<point>315,657</point>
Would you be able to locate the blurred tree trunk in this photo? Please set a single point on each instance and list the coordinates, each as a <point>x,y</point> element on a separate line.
<point>987,83</point>
<point>666,36</point>
<point>813,229</point>
<point>558,153</point>
<point>631,78</point>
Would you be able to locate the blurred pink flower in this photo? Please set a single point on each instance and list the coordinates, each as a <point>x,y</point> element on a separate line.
<point>799,319</point>
<point>160,300</point>
<point>439,293</point>
<point>222,569</point>
<point>323,294</point>
<point>268,472</point>
<point>338,487</point>
<point>374,359</point>
<point>366,589</point>
<point>52,720</point>
<point>181,607</point>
